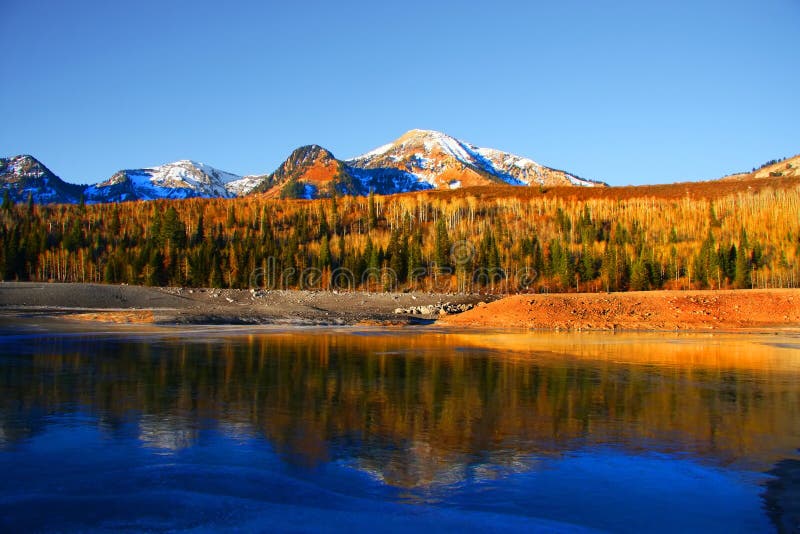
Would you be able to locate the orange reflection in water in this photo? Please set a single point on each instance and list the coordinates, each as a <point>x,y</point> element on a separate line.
<point>418,408</point>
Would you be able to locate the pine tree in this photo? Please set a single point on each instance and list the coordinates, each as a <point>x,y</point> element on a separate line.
<point>673,270</point>
<point>370,254</point>
<point>743,244</point>
<point>115,225</point>
<point>155,227</point>
<point>335,218</point>
<point>614,269</point>
<point>640,280</point>
<point>109,273</point>
<point>372,216</point>
<point>442,247</point>
<point>215,279</point>
<point>173,231</point>
<point>729,263</point>
<point>324,229</point>
<point>586,268</point>
<point>73,240</point>
<point>7,202</point>
<point>398,255</point>
<point>324,253</point>
<point>706,265</point>
<point>415,264</point>
<point>742,277</point>
<point>342,251</point>
<point>156,274</point>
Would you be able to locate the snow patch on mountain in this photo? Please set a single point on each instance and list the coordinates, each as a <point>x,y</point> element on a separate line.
<point>581,181</point>
<point>244,185</point>
<point>181,179</point>
<point>376,152</point>
<point>433,157</point>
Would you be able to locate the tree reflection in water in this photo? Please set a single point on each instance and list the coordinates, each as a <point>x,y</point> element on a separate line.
<point>418,409</point>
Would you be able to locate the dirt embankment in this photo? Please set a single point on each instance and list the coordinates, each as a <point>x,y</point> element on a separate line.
<point>654,310</point>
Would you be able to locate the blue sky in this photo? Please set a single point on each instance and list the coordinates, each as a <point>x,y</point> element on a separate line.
<point>626,92</point>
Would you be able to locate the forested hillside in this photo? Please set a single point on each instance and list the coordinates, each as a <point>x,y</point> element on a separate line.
<point>723,235</point>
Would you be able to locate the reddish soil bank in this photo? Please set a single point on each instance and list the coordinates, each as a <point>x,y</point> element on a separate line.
<point>653,310</point>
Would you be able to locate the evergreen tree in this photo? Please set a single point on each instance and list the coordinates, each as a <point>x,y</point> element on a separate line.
<point>109,272</point>
<point>415,263</point>
<point>324,229</point>
<point>640,280</point>
<point>372,215</point>
<point>155,227</point>
<point>335,218</point>
<point>729,263</point>
<point>289,264</point>
<point>706,266</point>
<point>370,254</point>
<point>673,267</point>
<point>73,240</point>
<point>442,246</point>
<point>742,278</point>
<point>199,231</point>
<point>743,244</point>
<point>173,231</point>
<point>156,273</point>
<point>342,252</point>
<point>614,269</point>
<point>757,256</point>
<point>324,253</point>
<point>115,225</point>
<point>215,279</point>
<point>398,255</point>
<point>586,268</point>
<point>7,202</point>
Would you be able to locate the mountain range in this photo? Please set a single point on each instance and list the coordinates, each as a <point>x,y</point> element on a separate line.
<point>417,160</point>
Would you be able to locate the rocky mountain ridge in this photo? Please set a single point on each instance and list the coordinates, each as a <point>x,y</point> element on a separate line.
<point>417,160</point>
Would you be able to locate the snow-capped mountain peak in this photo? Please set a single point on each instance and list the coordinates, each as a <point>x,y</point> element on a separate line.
<point>427,141</point>
<point>417,160</point>
<point>180,179</point>
<point>23,176</point>
<point>443,161</point>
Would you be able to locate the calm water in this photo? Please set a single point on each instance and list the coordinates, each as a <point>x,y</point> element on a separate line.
<point>306,430</point>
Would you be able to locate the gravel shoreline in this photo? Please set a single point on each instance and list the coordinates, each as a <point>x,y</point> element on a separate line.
<point>772,309</point>
<point>171,305</point>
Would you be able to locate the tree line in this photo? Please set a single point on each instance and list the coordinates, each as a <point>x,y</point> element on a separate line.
<point>418,241</point>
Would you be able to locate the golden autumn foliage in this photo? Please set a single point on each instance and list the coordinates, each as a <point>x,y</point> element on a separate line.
<point>723,234</point>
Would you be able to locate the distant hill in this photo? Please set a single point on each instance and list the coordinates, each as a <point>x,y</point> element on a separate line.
<point>785,168</point>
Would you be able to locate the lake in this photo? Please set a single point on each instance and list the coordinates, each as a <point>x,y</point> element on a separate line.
<point>215,428</point>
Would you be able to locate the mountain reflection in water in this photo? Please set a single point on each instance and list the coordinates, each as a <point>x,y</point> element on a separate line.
<point>416,410</point>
